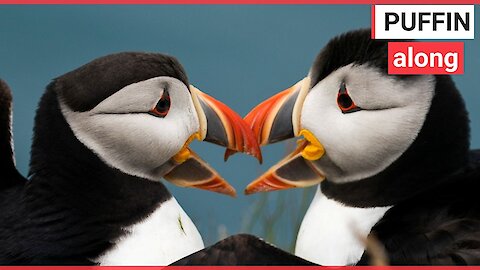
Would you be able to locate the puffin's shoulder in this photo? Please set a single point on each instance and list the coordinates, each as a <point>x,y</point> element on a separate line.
<point>242,249</point>
<point>438,226</point>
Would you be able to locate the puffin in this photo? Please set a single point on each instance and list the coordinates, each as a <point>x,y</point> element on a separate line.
<point>105,136</point>
<point>390,156</point>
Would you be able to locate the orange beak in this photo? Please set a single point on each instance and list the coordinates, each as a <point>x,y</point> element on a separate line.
<point>219,125</point>
<point>277,119</point>
<point>196,173</point>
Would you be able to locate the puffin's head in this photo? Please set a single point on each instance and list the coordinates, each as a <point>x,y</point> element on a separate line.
<point>138,113</point>
<point>357,121</point>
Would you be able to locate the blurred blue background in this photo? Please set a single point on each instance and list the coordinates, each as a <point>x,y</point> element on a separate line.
<point>239,54</point>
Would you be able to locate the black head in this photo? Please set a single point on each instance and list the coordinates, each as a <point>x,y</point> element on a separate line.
<point>106,96</point>
<point>85,87</point>
<point>354,47</point>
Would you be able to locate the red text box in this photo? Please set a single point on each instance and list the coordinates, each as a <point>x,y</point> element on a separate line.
<point>410,58</point>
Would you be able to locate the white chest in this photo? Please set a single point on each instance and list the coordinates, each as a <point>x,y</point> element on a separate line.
<point>331,232</point>
<point>165,236</point>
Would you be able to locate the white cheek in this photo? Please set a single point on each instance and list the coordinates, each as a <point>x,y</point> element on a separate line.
<point>363,143</point>
<point>121,132</point>
<point>136,144</point>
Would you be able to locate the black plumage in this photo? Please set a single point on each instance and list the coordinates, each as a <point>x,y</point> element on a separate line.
<point>242,249</point>
<point>85,87</point>
<point>354,47</point>
<point>8,173</point>
<point>439,226</point>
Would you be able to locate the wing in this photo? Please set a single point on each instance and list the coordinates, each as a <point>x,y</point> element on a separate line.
<point>9,175</point>
<point>242,249</point>
<point>438,227</point>
<point>453,243</point>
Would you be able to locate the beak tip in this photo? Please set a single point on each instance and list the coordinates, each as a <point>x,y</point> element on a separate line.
<point>258,156</point>
<point>255,188</point>
<point>230,191</point>
<point>238,135</point>
<point>228,153</point>
<point>227,190</point>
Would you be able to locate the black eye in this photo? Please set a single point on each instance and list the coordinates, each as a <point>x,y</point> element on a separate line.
<point>163,106</point>
<point>345,102</point>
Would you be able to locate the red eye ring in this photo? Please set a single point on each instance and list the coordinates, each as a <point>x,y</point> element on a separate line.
<point>162,107</point>
<point>345,102</point>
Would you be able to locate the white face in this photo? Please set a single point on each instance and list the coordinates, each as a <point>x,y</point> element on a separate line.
<point>125,136</point>
<point>363,143</point>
